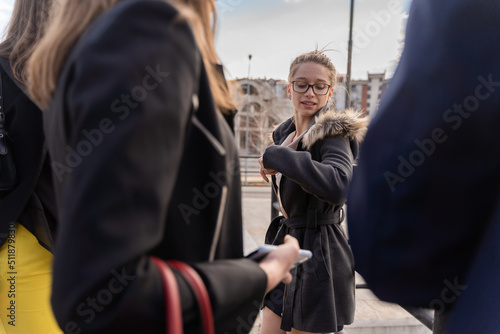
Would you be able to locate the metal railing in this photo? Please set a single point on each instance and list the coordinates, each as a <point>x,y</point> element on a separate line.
<point>249,166</point>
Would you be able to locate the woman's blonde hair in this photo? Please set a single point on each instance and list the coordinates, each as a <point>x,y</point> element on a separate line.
<point>75,16</point>
<point>24,30</point>
<point>318,57</point>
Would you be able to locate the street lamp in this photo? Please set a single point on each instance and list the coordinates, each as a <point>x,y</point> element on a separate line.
<point>349,61</point>
<point>247,119</point>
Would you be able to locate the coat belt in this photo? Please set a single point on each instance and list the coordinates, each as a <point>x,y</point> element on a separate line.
<point>313,219</point>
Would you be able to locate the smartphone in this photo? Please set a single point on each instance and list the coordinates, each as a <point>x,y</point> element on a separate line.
<point>262,251</point>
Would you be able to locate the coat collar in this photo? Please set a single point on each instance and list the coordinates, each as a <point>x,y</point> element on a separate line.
<point>326,123</point>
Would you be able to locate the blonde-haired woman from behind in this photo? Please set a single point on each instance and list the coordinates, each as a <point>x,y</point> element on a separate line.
<point>136,137</point>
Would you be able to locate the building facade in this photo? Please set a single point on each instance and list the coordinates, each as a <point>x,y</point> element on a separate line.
<point>365,94</point>
<point>261,104</point>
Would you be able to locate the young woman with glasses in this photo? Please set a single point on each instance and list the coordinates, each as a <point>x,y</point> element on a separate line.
<point>311,163</point>
<point>144,165</point>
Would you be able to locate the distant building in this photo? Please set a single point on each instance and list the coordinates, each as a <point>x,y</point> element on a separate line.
<point>266,104</point>
<point>365,94</point>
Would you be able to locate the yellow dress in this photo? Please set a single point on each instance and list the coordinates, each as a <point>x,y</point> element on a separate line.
<point>25,285</point>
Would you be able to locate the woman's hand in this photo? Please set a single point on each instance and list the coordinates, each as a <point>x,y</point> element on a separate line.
<point>264,172</point>
<point>278,263</point>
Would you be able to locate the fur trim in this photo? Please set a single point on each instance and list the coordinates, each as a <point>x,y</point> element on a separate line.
<point>349,124</point>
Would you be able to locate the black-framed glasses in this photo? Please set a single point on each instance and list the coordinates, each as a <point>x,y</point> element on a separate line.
<point>302,87</point>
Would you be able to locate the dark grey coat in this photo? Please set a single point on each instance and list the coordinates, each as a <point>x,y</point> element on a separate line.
<point>313,190</point>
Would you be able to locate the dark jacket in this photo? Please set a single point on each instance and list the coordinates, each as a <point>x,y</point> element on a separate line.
<point>424,217</point>
<point>144,165</point>
<point>313,190</point>
<point>32,201</point>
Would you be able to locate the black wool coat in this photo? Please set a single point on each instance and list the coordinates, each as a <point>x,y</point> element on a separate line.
<point>32,201</point>
<point>313,190</point>
<point>144,165</point>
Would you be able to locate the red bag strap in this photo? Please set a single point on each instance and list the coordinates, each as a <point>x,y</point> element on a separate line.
<point>200,292</point>
<point>172,298</point>
<point>173,312</point>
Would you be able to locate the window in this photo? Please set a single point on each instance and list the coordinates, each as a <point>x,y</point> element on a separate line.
<point>253,90</point>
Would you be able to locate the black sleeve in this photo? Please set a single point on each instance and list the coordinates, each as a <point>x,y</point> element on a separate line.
<point>426,186</point>
<point>327,178</point>
<point>128,96</point>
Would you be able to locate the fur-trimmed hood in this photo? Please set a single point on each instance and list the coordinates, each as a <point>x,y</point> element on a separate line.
<point>349,124</point>
<point>329,123</point>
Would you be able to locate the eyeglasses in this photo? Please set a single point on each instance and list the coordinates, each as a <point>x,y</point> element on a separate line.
<point>302,87</point>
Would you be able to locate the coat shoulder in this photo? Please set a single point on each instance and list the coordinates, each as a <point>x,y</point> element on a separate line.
<point>349,124</point>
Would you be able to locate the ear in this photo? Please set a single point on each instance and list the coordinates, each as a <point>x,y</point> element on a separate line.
<point>330,93</point>
<point>288,91</point>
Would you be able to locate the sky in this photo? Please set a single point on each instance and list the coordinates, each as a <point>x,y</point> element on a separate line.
<point>5,10</point>
<point>274,32</point>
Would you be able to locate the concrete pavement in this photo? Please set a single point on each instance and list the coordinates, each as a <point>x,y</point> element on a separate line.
<point>372,315</point>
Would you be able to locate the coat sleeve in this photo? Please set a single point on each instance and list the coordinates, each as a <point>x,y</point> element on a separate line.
<point>423,192</point>
<point>127,93</point>
<point>326,178</point>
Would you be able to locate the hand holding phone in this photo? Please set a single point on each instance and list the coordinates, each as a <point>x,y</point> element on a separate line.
<point>262,251</point>
<point>278,262</point>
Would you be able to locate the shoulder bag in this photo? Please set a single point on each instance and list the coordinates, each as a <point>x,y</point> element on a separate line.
<point>173,309</point>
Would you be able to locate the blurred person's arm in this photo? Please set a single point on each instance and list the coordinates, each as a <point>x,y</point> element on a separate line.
<point>426,188</point>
